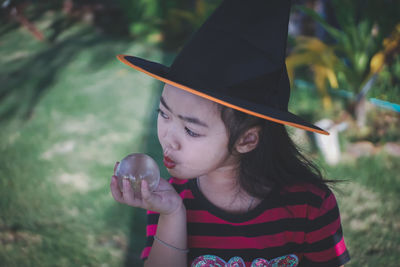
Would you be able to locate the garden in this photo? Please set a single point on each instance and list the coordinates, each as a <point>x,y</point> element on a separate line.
<point>69,110</point>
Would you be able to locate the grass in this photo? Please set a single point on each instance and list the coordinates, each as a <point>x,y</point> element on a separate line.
<point>69,110</point>
<point>370,210</point>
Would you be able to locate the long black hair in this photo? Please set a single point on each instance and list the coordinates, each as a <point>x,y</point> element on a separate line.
<point>276,161</point>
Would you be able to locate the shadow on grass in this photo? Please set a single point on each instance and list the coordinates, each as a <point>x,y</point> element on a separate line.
<point>25,81</point>
<point>151,147</point>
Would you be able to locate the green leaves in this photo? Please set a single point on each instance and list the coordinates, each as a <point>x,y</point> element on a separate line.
<point>314,15</point>
<point>358,38</point>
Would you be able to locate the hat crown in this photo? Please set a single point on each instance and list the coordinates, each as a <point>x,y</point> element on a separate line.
<point>236,59</point>
<point>239,51</point>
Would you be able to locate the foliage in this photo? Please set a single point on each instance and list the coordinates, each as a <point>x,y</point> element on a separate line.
<point>359,44</point>
<point>387,62</point>
<point>168,21</point>
<point>387,86</point>
<point>323,60</point>
<point>181,22</point>
<point>143,16</point>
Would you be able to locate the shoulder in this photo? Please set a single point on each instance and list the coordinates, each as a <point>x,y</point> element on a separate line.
<point>320,207</point>
<point>315,196</point>
<point>320,191</point>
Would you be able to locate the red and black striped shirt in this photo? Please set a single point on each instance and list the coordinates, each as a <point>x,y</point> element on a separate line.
<point>301,221</point>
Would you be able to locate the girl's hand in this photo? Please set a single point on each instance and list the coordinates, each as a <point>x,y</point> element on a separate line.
<point>164,200</point>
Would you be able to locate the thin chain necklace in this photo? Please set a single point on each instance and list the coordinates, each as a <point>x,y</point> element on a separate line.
<point>251,201</point>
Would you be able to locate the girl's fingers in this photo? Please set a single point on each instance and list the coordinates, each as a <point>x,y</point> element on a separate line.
<point>116,193</point>
<point>146,194</point>
<point>129,194</point>
<point>116,166</point>
<point>150,200</point>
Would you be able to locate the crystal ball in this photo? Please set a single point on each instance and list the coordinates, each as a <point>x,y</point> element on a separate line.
<point>137,167</point>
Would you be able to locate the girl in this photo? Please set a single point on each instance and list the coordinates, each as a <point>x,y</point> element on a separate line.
<point>241,193</point>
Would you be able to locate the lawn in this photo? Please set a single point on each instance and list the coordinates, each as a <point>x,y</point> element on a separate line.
<point>69,110</point>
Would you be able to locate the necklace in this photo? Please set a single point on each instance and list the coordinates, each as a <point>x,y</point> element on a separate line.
<point>251,201</point>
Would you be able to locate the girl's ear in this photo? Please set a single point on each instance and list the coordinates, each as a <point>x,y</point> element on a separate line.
<point>248,141</point>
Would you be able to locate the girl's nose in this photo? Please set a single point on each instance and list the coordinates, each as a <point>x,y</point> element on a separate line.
<point>174,145</point>
<point>171,140</point>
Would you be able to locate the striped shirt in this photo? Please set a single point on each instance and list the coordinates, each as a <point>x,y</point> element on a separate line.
<point>300,224</point>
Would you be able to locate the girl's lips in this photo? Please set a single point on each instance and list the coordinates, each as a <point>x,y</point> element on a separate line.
<point>169,163</point>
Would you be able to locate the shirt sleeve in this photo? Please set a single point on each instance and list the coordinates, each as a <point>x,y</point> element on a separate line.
<point>324,242</point>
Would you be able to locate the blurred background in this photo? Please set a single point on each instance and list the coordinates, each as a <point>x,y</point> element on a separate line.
<point>69,110</point>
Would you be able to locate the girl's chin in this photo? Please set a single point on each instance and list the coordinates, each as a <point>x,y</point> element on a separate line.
<point>182,176</point>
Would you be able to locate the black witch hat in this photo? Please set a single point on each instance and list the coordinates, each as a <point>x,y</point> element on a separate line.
<point>237,59</point>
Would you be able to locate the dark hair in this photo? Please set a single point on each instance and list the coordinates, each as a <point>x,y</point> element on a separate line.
<point>276,161</point>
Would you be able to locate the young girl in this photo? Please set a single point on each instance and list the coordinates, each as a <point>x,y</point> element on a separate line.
<point>240,194</point>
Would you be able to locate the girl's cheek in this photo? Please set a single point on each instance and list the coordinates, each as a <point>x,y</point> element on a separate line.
<point>160,130</point>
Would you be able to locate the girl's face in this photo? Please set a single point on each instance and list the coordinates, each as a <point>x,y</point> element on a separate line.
<point>192,135</point>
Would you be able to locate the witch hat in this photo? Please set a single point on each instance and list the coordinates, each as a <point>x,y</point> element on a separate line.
<point>237,59</point>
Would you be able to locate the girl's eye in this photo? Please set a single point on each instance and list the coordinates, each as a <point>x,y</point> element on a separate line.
<point>191,133</point>
<point>162,114</point>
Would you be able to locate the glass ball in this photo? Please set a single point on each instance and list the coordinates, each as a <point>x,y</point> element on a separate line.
<point>137,167</point>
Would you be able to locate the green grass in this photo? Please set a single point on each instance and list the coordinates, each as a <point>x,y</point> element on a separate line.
<point>370,209</point>
<point>69,110</point>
